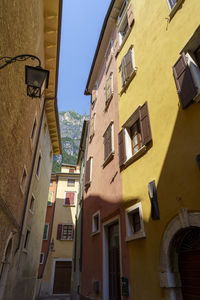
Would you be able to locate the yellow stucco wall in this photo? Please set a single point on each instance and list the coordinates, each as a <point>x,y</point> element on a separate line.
<point>175,133</point>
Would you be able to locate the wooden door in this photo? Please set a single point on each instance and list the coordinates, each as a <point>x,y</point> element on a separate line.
<point>189,265</point>
<point>62,278</point>
<point>114,262</point>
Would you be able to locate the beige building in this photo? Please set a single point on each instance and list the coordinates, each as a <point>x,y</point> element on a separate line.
<point>29,134</point>
<point>57,273</point>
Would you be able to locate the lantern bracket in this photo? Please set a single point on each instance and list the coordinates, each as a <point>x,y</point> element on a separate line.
<point>7,60</point>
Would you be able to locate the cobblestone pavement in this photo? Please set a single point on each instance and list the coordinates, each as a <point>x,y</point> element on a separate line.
<point>55,298</point>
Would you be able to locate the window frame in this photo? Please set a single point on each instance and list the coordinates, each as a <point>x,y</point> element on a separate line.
<point>122,11</point>
<point>89,164</point>
<point>23,180</point>
<point>41,260</point>
<point>39,163</point>
<point>130,234</point>
<point>70,184</point>
<point>72,237</point>
<point>94,229</point>
<point>74,192</point>
<point>31,205</point>
<point>26,240</point>
<point>108,99</point>
<point>46,239</point>
<point>50,203</point>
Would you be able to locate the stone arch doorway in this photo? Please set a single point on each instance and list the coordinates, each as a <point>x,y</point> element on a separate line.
<point>180,258</point>
<point>5,265</point>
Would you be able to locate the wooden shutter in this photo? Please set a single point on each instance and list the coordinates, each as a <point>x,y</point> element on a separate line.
<point>69,198</point>
<point>87,171</point>
<point>108,88</point>
<point>130,16</point>
<point>122,147</point>
<point>122,70</point>
<point>108,142</point>
<point>59,232</point>
<point>145,124</point>
<point>184,82</point>
<point>128,64</point>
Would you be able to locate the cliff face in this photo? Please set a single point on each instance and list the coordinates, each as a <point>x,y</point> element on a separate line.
<point>71,127</point>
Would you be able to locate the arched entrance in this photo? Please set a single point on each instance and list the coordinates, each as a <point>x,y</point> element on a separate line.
<point>188,250</point>
<point>180,258</point>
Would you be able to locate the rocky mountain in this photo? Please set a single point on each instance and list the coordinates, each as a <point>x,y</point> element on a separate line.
<point>71,128</point>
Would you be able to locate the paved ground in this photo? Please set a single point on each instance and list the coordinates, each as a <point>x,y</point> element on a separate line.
<point>55,298</point>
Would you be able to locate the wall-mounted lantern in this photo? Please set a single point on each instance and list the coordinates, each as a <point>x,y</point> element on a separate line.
<point>36,78</point>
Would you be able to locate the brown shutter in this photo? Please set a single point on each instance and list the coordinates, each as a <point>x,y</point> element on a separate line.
<point>71,198</point>
<point>145,124</point>
<point>59,232</point>
<point>122,70</point>
<point>128,64</point>
<point>87,171</point>
<point>184,82</point>
<point>122,147</point>
<point>108,142</point>
<point>130,16</point>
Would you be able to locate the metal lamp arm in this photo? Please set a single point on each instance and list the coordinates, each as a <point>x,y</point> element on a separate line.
<point>9,60</point>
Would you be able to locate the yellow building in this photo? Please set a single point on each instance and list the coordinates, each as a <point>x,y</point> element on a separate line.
<point>57,273</point>
<point>159,145</point>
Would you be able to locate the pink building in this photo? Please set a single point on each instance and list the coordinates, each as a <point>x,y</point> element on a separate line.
<point>104,269</point>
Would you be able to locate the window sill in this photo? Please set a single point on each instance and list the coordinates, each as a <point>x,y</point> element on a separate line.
<point>69,205</point>
<point>31,212</point>
<point>95,233</point>
<point>108,159</point>
<point>25,251</point>
<point>126,84</point>
<point>135,156</point>
<point>136,236</point>
<point>174,9</point>
<point>123,42</point>
<point>66,240</point>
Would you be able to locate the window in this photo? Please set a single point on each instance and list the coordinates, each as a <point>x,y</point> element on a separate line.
<point>88,171</point>
<point>32,203</point>
<point>71,170</point>
<point>108,143</point>
<point>51,183</point>
<point>23,181</point>
<point>69,198</point>
<point>45,127</point>
<point>96,223</point>
<point>109,88</point>
<point>41,258</point>
<point>65,232</point>
<point>134,136</point>
<point>122,10</point>
<point>46,229</point>
<point>94,95</point>
<point>126,23</point>
<point>33,131</point>
<point>50,198</point>
<point>27,237</point>
<point>71,182</point>
<point>172,3</point>
<point>109,54</point>
<point>38,166</point>
<point>134,222</point>
<point>187,72</point>
<point>92,126</point>
<point>127,68</point>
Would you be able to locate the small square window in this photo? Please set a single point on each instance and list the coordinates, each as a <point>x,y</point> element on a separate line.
<point>71,182</point>
<point>38,166</point>
<point>31,207</point>
<point>23,181</point>
<point>27,237</point>
<point>69,198</point>
<point>134,223</point>
<point>41,258</point>
<point>96,223</point>
<point>65,232</point>
<point>109,89</point>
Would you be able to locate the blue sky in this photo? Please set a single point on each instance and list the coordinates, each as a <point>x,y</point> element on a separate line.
<point>81,26</point>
